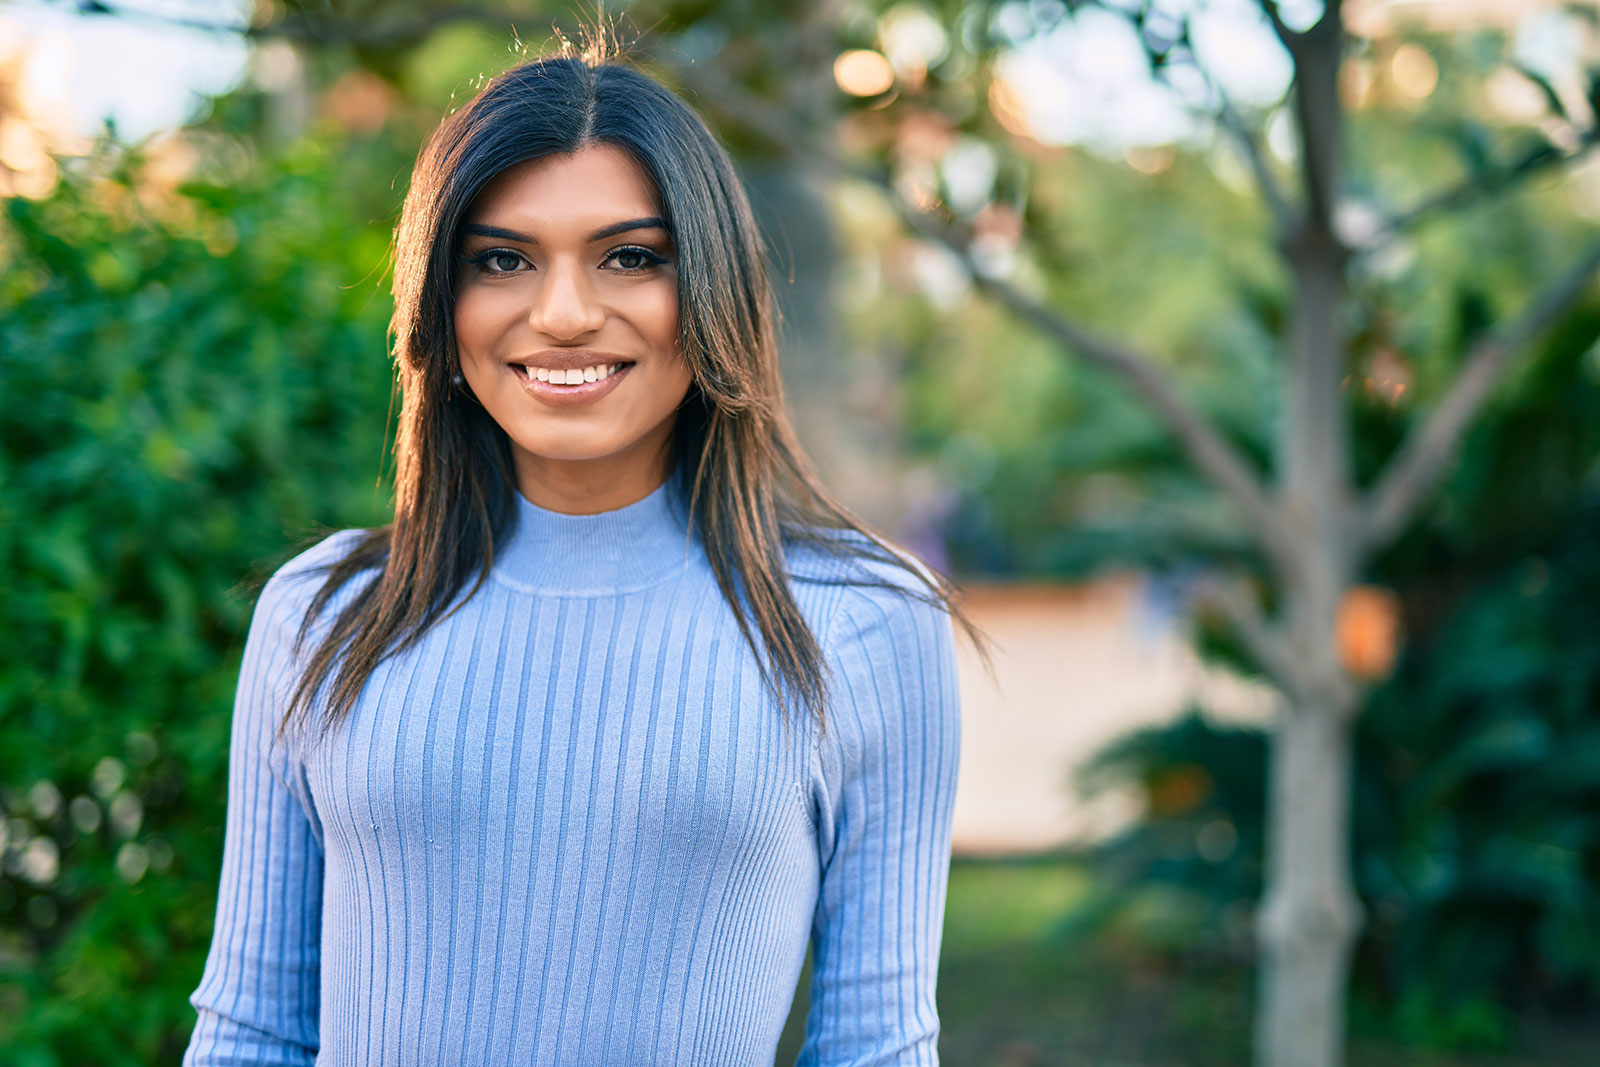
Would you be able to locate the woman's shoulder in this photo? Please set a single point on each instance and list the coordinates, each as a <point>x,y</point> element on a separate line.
<point>292,588</point>
<point>889,640</point>
<point>851,557</point>
<point>869,586</point>
<point>284,628</point>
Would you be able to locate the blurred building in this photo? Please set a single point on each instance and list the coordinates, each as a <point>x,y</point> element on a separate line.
<point>1075,668</point>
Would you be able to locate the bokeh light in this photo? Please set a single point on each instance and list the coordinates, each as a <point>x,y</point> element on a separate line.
<point>1414,72</point>
<point>863,72</point>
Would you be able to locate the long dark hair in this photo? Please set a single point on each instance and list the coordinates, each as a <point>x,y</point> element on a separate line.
<point>753,488</point>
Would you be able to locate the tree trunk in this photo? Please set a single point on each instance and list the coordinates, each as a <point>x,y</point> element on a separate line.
<point>1309,916</point>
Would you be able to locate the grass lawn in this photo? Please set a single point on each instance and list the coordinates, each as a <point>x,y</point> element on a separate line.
<point>1016,989</point>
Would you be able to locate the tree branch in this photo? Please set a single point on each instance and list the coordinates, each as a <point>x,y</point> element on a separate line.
<point>1233,600</point>
<point>1422,459</point>
<point>1290,38</point>
<point>1479,187</point>
<point>1210,452</point>
<point>1160,54</point>
<point>1207,449</point>
<point>1317,54</point>
<point>1283,213</point>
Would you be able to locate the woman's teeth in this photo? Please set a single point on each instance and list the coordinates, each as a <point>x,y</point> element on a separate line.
<point>573,376</point>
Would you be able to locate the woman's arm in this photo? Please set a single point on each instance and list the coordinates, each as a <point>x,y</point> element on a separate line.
<point>887,777</point>
<point>258,998</point>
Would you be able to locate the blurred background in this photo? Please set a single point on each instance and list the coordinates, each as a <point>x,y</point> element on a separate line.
<point>979,213</point>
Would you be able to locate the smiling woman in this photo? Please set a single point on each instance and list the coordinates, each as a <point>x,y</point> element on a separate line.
<point>571,761</point>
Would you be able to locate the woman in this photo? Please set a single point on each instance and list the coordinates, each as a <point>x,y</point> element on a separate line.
<point>568,763</point>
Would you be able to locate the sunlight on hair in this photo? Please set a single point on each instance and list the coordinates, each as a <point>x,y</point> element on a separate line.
<point>599,39</point>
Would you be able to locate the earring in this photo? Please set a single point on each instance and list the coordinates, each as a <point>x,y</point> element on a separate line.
<point>456,380</point>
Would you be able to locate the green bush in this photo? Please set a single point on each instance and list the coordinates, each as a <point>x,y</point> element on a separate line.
<point>191,381</point>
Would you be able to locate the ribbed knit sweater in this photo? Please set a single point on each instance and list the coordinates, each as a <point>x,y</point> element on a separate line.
<point>571,827</point>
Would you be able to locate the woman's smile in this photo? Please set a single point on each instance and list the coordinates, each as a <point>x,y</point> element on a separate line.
<point>568,378</point>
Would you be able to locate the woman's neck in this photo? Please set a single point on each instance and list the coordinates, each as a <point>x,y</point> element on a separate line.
<point>592,486</point>
<point>611,551</point>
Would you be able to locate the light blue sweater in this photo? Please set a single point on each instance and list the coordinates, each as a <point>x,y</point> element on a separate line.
<point>570,827</point>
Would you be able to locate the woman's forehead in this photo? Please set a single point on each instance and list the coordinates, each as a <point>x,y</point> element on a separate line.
<point>574,194</point>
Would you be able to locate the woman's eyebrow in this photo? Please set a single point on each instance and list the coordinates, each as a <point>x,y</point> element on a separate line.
<point>649,222</point>
<point>498,232</point>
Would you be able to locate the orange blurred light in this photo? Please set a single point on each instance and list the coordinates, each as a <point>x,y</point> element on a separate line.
<point>1178,790</point>
<point>1389,375</point>
<point>1368,632</point>
<point>359,102</point>
<point>863,72</point>
<point>998,222</point>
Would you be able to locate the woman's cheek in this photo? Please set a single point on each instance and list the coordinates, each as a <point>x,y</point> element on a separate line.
<point>480,320</point>
<point>659,312</point>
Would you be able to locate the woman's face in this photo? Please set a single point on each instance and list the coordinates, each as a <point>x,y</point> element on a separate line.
<point>566,321</point>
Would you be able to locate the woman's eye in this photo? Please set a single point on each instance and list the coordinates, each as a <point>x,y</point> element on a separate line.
<point>503,262</point>
<point>631,259</point>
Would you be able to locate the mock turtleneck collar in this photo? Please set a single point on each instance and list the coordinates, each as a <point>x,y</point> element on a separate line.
<point>608,552</point>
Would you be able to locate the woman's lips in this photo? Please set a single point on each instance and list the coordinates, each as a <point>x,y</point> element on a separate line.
<point>566,395</point>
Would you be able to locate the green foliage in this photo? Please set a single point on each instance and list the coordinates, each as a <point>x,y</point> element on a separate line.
<point>1482,801</point>
<point>192,379</point>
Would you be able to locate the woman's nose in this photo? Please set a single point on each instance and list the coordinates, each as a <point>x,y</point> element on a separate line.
<point>565,307</point>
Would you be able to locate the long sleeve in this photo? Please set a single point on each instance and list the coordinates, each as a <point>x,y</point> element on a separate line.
<point>884,789</point>
<point>258,997</point>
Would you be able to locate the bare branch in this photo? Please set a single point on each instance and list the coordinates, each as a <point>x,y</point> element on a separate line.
<point>1424,456</point>
<point>1283,213</point>
<point>1236,602</point>
<point>1290,38</point>
<point>1210,452</point>
<point>1480,187</point>
<point>1317,54</point>
<point>1162,55</point>
<point>1331,20</point>
<point>1207,449</point>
